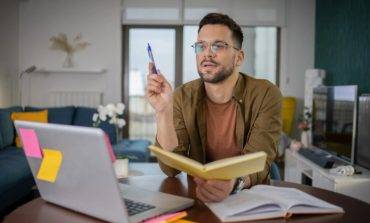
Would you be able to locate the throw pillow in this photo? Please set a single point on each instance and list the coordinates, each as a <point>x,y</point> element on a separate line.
<point>58,115</point>
<point>83,117</point>
<point>40,116</point>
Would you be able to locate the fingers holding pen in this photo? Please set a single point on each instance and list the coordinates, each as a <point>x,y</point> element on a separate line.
<point>154,88</point>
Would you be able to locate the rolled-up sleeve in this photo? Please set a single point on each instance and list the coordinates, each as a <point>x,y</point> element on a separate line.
<point>265,132</point>
<point>181,132</point>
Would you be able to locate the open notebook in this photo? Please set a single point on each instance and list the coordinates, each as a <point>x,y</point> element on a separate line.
<point>265,202</point>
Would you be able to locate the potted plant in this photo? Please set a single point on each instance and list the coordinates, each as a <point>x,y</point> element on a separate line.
<point>121,165</point>
<point>61,42</point>
<point>114,114</point>
<point>304,126</point>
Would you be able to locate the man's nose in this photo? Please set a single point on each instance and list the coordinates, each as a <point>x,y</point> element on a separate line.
<point>208,52</point>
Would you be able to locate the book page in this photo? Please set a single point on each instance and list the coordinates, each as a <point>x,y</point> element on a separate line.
<point>244,204</point>
<point>292,197</point>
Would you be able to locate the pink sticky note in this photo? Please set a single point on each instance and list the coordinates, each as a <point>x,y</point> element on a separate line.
<point>30,143</point>
<point>110,149</point>
<point>161,218</point>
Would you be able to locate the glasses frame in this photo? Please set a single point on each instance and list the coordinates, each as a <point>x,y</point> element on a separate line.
<point>227,45</point>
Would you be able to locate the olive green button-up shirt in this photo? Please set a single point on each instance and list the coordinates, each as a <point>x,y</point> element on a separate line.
<point>258,121</point>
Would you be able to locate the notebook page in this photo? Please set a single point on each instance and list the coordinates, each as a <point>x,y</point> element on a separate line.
<point>242,203</point>
<point>290,197</point>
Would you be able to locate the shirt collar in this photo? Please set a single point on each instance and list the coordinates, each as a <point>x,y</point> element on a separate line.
<point>238,93</point>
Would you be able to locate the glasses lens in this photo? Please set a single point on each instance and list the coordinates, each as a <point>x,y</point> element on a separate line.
<point>218,46</point>
<point>198,47</point>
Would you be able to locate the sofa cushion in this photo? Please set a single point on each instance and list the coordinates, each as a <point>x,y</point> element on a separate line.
<point>58,115</point>
<point>137,148</point>
<point>14,168</point>
<point>36,116</point>
<point>83,117</point>
<point>7,130</point>
<point>1,139</point>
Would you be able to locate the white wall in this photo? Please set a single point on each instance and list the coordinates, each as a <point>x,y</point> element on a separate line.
<point>8,52</point>
<point>297,48</point>
<point>98,21</point>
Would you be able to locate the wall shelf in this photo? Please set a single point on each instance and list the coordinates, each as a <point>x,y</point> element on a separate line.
<point>70,71</point>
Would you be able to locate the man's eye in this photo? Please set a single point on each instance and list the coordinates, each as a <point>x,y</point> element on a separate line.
<point>201,47</point>
<point>218,46</point>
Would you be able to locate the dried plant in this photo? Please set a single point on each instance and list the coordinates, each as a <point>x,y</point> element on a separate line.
<point>60,42</point>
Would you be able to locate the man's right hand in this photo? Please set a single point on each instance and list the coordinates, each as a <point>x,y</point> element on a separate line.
<point>158,91</point>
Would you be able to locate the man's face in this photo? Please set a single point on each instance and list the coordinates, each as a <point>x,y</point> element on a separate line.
<point>216,67</point>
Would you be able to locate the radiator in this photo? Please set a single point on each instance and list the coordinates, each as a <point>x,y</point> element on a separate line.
<point>76,98</point>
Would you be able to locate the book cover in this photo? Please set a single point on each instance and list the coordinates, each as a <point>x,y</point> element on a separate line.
<point>224,169</point>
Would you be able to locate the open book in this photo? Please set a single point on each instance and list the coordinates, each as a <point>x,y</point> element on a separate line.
<point>224,169</point>
<point>265,202</point>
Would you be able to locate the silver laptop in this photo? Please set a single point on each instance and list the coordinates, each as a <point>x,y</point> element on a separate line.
<point>86,180</point>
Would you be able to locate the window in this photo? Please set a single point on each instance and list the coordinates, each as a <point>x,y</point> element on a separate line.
<point>162,40</point>
<point>190,71</point>
<point>261,52</point>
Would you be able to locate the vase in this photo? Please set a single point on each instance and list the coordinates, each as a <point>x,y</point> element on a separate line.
<point>121,168</point>
<point>305,139</point>
<point>68,62</point>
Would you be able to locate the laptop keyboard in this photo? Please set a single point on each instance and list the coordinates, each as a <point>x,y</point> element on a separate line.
<point>134,207</point>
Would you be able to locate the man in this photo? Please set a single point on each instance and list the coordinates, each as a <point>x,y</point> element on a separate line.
<point>224,113</point>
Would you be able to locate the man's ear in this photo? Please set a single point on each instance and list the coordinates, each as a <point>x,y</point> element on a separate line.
<point>240,58</point>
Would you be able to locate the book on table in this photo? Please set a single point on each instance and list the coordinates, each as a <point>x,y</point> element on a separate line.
<point>224,169</point>
<point>266,202</point>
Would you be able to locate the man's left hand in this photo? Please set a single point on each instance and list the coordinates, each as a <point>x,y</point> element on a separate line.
<point>213,190</point>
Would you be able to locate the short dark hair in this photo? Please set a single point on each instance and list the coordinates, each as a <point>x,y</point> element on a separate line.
<point>218,18</point>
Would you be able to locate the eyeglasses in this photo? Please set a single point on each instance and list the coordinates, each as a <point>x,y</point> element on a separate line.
<point>218,46</point>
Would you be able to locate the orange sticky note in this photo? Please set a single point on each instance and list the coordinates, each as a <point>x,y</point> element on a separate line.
<point>50,165</point>
<point>109,147</point>
<point>176,217</point>
<point>184,221</point>
<point>31,144</point>
<point>172,217</point>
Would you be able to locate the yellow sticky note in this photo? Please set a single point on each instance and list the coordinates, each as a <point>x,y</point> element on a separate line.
<point>50,165</point>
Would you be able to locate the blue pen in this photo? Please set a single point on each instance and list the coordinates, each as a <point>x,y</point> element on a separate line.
<point>149,49</point>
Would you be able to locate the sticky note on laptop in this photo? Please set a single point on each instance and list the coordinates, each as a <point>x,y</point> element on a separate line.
<point>30,141</point>
<point>50,165</point>
<point>109,147</point>
<point>167,218</point>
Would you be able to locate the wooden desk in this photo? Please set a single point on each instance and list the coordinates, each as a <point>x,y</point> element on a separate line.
<point>40,211</point>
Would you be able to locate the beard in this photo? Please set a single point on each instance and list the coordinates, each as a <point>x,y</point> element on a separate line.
<point>218,77</point>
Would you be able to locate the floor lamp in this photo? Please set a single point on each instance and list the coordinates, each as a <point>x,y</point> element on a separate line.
<point>26,71</point>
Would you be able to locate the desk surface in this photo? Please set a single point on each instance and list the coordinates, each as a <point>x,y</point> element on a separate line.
<point>40,211</point>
